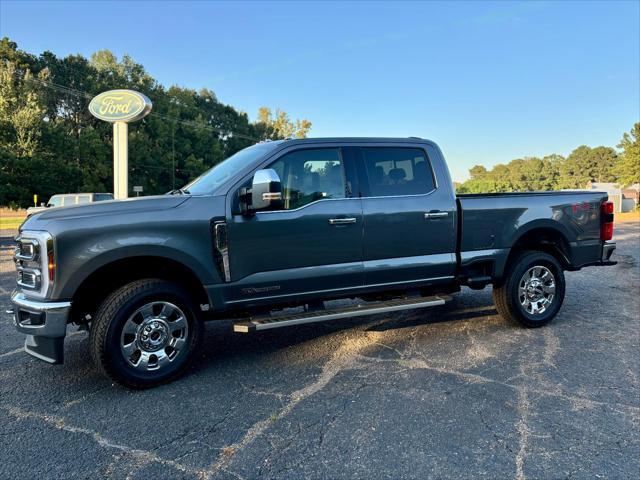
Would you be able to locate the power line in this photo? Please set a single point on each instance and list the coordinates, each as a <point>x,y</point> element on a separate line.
<point>193,124</point>
<point>159,167</point>
<point>85,95</point>
<point>55,86</point>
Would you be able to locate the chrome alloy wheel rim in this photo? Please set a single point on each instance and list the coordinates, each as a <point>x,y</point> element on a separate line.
<point>154,336</point>
<point>536,290</point>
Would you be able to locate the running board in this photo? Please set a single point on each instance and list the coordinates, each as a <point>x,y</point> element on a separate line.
<point>266,323</point>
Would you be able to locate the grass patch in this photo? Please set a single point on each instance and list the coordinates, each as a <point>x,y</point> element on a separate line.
<point>10,222</point>
<point>627,216</point>
<point>11,219</point>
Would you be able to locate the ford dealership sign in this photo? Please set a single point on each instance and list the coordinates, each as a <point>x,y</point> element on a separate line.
<point>120,106</point>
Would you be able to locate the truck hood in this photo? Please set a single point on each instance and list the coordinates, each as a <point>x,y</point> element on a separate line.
<point>109,207</point>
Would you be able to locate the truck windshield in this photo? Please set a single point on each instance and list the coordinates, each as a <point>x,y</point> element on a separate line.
<point>209,181</point>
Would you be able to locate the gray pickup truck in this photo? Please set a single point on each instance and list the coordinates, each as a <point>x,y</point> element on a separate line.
<point>269,237</point>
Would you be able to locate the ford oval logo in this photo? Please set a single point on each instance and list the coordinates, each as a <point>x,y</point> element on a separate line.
<point>120,106</point>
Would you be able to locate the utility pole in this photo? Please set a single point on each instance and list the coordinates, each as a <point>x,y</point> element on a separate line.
<point>173,157</point>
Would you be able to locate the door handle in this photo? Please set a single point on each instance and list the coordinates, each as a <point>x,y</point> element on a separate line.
<point>430,215</point>
<point>342,221</point>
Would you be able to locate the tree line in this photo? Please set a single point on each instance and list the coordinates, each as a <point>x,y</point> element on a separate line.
<point>50,143</point>
<point>555,172</point>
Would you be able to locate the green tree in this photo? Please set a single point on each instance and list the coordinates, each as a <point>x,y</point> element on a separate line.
<point>477,171</point>
<point>629,162</point>
<point>549,173</point>
<point>21,109</point>
<point>480,181</point>
<point>50,143</point>
<point>586,164</point>
<point>279,125</point>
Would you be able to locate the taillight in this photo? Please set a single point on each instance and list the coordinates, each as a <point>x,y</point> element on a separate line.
<point>606,232</point>
<point>606,229</point>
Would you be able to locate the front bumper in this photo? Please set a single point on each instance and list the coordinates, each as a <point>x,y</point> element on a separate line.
<point>45,324</point>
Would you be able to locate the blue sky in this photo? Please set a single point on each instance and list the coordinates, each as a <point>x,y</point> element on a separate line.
<point>488,81</point>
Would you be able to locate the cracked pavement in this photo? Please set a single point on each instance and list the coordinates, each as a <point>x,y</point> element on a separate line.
<point>448,392</point>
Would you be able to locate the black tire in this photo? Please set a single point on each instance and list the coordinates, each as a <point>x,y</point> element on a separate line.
<point>506,295</point>
<point>121,308</point>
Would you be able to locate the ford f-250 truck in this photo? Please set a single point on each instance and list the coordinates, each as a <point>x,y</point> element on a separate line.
<point>285,224</point>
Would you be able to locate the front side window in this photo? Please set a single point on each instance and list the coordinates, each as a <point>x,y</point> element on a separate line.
<point>310,175</point>
<point>397,171</point>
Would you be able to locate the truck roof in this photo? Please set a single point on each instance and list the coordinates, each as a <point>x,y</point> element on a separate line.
<point>348,140</point>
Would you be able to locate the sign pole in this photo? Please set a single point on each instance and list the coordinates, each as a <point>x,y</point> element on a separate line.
<point>120,160</point>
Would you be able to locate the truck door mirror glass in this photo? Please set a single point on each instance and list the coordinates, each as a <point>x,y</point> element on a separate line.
<point>266,190</point>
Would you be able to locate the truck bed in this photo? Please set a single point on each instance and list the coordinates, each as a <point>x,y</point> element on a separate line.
<point>489,225</point>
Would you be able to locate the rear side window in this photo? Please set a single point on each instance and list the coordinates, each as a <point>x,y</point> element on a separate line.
<point>397,171</point>
<point>84,199</point>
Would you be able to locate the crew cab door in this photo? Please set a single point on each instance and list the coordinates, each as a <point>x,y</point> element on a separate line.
<point>313,244</point>
<point>409,234</point>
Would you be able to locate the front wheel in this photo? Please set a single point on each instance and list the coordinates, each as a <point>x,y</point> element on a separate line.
<point>145,333</point>
<point>532,290</point>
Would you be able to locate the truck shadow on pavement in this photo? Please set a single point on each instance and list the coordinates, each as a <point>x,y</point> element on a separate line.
<point>222,348</point>
<point>221,345</point>
<point>447,316</point>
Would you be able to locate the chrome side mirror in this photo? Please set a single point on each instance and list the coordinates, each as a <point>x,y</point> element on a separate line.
<point>266,190</point>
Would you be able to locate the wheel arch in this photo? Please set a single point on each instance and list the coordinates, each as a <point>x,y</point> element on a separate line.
<point>96,286</point>
<point>544,238</point>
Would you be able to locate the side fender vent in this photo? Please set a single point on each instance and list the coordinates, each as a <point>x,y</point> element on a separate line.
<point>220,248</point>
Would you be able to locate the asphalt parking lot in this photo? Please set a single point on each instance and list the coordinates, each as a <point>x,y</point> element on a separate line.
<point>452,392</point>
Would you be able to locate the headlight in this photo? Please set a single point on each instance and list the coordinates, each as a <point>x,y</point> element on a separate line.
<point>35,262</point>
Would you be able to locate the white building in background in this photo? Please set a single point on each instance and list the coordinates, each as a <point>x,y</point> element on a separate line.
<point>624,200</point>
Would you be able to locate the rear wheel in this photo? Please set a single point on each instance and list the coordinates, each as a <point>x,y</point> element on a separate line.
<point>145,333</point>
<point>532,291</point>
